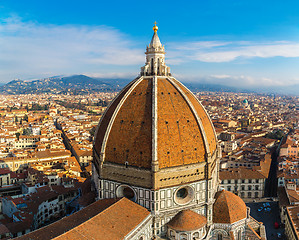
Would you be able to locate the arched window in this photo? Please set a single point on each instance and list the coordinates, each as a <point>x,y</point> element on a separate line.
<point>219,236</point>
<point>172,233</point>
<point>152,66</point>
<point>183,236</point>
<point>239,235</point>
<point>158,68</point>
<point>126,191</point>
<point>196,235</point>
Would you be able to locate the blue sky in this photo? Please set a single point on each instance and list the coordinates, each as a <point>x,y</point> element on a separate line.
<point>236,42</point>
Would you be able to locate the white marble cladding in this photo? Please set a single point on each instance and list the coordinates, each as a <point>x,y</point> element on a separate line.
<point>237,228</point>
<point>143,231</point>
<point>162,202</point>
<point>155,200</point>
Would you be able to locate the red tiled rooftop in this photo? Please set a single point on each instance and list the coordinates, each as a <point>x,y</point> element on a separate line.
<point>115,222</point>
<point>97,221</point>
<point>181,123</point>
<point>228,208</point>
<point>4,171</point>
<point>187,220</point>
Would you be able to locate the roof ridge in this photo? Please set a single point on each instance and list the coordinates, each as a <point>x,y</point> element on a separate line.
<point>226,205</point>
<point>90,219</point>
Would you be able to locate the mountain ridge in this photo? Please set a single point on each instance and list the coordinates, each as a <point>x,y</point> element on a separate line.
<point>78,84</point>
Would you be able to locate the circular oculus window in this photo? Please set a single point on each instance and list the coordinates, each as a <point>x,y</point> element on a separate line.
<point>184,195</point>
<point>126,191</point>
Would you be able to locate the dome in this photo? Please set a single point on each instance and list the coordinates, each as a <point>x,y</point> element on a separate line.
<point>187,220</point>
<point>228,208</point>
<point>155,114</point>
<point>154,126</point>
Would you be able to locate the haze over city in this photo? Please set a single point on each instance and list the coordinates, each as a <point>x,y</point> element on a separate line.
<point>247,44</point>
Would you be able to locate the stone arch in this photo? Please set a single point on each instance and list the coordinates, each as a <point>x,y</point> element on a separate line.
<point>183,236</point>
<point>141,237</point>
<point>220,231</point>
<point>195,235</point>
<point>126,191</point>
<point>239,232</point>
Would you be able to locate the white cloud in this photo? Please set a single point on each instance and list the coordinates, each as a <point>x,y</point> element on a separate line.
<point>230,51</point>
<point>30,49</point>
<point>237,80</point>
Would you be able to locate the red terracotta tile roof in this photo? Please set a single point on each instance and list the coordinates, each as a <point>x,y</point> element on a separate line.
<point>180,139</point>
<point>292,215</point>
<point>105,120</point>
<point>228,208</point>
<point>187,220</point>
<point>67,223</point>
<point>240,173</point>
<point>130,138</point>
<point>115,222</point>
<point>4,171</point>
<point>104,219</point>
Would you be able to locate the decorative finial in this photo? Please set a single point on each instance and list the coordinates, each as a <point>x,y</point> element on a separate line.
<point>155,28</point>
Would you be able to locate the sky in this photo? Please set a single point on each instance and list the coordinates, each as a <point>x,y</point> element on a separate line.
<point>231,42</point>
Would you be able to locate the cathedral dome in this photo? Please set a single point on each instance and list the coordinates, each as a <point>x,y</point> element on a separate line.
<point>187,220</point>
<point>155,123</point>
<point>228,208</point>
<point>161,110</point>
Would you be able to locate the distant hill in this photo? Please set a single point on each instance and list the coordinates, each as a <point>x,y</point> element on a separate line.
<point>80,84</point>
<point>283,90</point>
<point>116,82</point>
<point>74,83</point>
